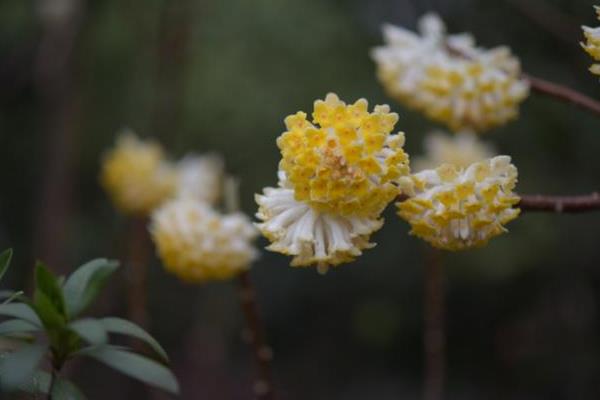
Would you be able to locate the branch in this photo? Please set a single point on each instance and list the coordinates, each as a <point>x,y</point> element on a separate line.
<point>434,337</point>
<point>563,93</point>
<point>560,204</point>
<point>556,204</point>
<point>263,387</point>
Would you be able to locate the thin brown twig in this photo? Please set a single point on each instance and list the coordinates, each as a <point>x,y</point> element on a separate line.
<point>560,204</point>
<point>563,93</point>
<point>555,204</point>
<point>263,386</point>
<point>434,336</point>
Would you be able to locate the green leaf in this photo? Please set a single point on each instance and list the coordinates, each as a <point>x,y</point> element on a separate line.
<point>5,258</point>
<point>125,327</point>
<point>63,388</point>
<point>47,284</point>
<point>18,367</point>
<point>47,313</point>
<point>83,285</point>
<point>13,326</point>
<point>135,366</point>
<point>91,330</point>
<point>21,311</point>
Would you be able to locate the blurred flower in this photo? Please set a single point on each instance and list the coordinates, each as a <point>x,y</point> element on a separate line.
<point>197,244</point>
<point>200,177</point>
<point>461,150</point>
<point>448,78</point>
<point>592,44</point>
<point>454,208</point>
<point>337,175</point>
<point>136,175</point>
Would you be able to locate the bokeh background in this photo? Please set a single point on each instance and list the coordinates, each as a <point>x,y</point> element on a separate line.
<point>220,75</point>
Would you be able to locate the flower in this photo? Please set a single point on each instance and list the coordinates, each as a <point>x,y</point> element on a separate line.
<point>456,208</point>
<point>200,177</point>
<point>449,79</point>
<point>592,44</point>
<point>336,176</point>
<point>345,163</point>
<point>198,244</point>
<point>461,150</point>
<point>136,175</point>
<point>310,235</point>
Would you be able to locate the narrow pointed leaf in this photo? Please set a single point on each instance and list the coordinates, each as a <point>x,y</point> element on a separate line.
<point>125,327</point>
<point>83,285</point>
<point>5,258</point>
<point>47,284</point>
<point>14,296</point>
<point>136,366</point>
<point>91,330</point>
<point>18,367</point>
<point>47,313</point>
<point>21,311</point>
<point>13,326</point>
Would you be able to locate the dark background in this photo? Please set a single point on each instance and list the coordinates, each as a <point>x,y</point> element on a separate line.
<point>220,75</point>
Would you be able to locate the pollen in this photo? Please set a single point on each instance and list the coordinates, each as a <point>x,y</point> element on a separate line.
<point>346,160</point>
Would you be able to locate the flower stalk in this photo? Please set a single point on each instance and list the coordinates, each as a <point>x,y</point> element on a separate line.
<point>263,385</point>
<point>255,333</point>
<point>434,339</point>
<point>138,275</point>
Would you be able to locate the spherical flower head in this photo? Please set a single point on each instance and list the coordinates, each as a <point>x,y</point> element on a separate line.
<point>449,79</point>
<point>200,177</point>
<point>592,43</point>
<point>456,208</point>
<point>346,161</point>
<point>198,244</point>
<point>136,175</point>
<point>311,236</point>
<point>461,150</point>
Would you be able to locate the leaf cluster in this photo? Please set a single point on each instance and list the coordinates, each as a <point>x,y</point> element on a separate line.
<point>49,327</point>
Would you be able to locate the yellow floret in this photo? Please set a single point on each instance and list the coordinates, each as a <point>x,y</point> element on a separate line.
<point>344,162</point>
<point>456,208</point>
<point>592,44</point>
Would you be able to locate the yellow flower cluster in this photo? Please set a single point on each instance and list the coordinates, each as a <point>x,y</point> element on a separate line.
<point>455,208</point>
<point>136,175</point>
<point>592,44</point>
<point>198,244</point>
<point>461,150</point>
<point>346,162</point>
<point>336,176</point>
<point>449,79</point>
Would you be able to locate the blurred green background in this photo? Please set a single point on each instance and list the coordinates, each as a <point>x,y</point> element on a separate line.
<point>220,75</point>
